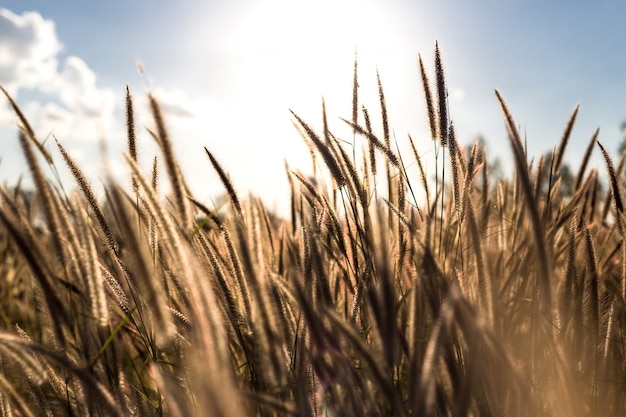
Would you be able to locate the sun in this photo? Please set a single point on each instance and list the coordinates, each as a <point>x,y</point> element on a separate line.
<point>294,52</point>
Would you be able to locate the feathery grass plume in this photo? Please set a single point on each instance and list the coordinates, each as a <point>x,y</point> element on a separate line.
<point>130,129</point>
<point>350,172</point>
<point>93,277</point>
<point>309,144</point>
<point>403,184</point>
<point>229,298</point>
<point>454,163</point>
<point>324,150</point>
<point>368,127</point>
<point>89,195</point>
<point>585,161</point>
<point>130,125</point>
<point>541,247</point>
<point>563,143</point>
<point>619,209</point>
<point>30,134</point>
<point>225,182</point>
<point>42,185</point>
<point>619,206</point>
<point>347,167</point>
<point>355,93</point>
<point>325,123</point>
<point>442,97</point>
<point>539,178</point>
<point>472,171</point>
<point>386,138</point>
<point>115,289</point>
<point>152,230</point>
<point>309,186</point>
<point>30,364</point>
<point>486,290</point>
<point>96,393</point>
<point>430,107</point>
<point>337,232</point>
<point>292,200</point>
<point>485,181</point>
<point>171,164</point>
<point>140,266</point>
<point>423,178</point>
<point>8,391</point>
<point>592,262</point>
<point>31,250</point>
<point>391,157</point>
<point>569,301</point>
<point>233,257</point>
<point>166,228</point>
<point>401,216</point>
<point>383,111</point>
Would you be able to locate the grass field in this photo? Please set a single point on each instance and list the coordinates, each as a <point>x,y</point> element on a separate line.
<point>487,297</point>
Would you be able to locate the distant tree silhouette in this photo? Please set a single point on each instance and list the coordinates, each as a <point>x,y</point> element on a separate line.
<point>493,165</point>
<point>622,145</point>
<point>565,174</point>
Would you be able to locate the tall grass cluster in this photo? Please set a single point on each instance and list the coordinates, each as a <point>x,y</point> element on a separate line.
<point>487,297</point>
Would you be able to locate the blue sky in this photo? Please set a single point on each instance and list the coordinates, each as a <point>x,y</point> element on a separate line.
<point>227,74</point>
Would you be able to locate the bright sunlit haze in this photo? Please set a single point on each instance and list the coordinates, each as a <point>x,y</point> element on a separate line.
<point>227,75</point>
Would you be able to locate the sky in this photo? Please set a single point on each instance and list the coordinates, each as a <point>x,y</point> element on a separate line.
<point>227,74</point>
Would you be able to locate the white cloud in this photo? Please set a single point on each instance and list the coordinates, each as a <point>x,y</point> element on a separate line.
<point>457,94</point>
<point>175,103</point>
<point>71,104</point>
<point>59,95</point>
<point>28,50</point>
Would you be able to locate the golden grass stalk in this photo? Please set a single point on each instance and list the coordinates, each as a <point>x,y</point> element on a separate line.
<point>95,391</point>
<point>89,195</point>
<point>8,392</point>
<point>541,247</point>
<point>130,130</point>
<point>226,182</point>
<point>93,277</point>
<point>368,127</point>
<point>442,98</point>
<point>558,159</point>
<point>592,283</point>
<point>237,269</point>
<point>130,126</point>
<point>487,294</point>
<point>177,181</point>
<point>325,151</point>
<point>355,93</point>
<point>25,126</point>
<point>420,165</point>
<point>454,164</point>
<point>585,161</point>
<point>391,157</point>
<point>50,209</point>
<point>383,112</point>
<point>619,206</point>
<point>350,172</point>
<point>430,107</point>
<point>31,250</point>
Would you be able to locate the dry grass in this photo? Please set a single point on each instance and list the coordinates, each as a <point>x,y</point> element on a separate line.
<point>494,297</point>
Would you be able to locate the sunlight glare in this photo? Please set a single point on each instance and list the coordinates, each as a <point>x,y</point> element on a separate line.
<point>292,53</point>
